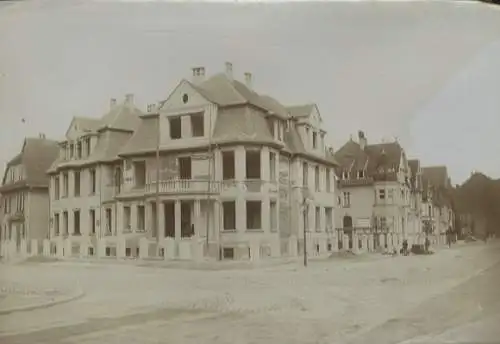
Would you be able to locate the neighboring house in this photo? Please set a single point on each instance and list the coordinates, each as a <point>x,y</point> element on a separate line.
<point>233,168</point>
<point>374,194</point>
<point>439,204</point>
<point>25,197</point>
<point>85,179</point>
<point>416,197</point>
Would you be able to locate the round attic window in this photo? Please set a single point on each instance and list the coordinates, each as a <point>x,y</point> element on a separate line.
<point>185,98</point>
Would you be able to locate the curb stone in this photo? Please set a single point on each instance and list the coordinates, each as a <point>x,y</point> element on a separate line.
<point>72,297</point>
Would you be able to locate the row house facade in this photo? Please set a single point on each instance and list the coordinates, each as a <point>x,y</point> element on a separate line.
<point>438,208</point>
<point>377,195</point>
<point>83,179</point>
<point>416,214</point>
<point>217,170</point>
<point>25,198</point>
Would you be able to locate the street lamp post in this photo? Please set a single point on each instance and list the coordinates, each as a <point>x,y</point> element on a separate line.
<point>306,196</point>
<point>155,109</point>
<point>304,204</point>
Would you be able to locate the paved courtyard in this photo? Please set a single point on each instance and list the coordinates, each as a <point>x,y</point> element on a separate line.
<point>335,300</point>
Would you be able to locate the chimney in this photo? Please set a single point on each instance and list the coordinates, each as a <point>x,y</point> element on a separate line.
<point>152,108</point>
<point>198,75</point>
<point>129,99</point>
<point>112,103</point>
<point>362,139</point>
<point>248,80</point>
<point>229,70</point>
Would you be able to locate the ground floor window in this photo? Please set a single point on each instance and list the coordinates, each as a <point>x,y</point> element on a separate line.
<point>228,253</point>
<point>254,215</point>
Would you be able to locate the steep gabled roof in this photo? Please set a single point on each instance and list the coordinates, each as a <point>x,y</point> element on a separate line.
<point>436,178</point>
<point>224,91</point>
<point>241,124</point>
<point>122,117</point>
<point>298,111</point>
<point>351,157</point>
<point>37,154</point>
<point>86,124</point>
<point>370,159</point>
<point>387,155</point>
<point>414,165</point>
<point>115,128</point>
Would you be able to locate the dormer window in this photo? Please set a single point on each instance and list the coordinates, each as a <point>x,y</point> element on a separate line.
<point>79,150</point>
<point>280,131</point>
<point>270,124</point>
<point>361,174</point>
<point>88,148</point>
<point>345,175</point>
<point>71,151</point>
<point>64,151</point>
<point>315,140</point>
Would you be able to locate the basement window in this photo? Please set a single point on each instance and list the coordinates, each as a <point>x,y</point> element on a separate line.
<point>197,125</point>
<point>228,253</point>
<point>175,128</point>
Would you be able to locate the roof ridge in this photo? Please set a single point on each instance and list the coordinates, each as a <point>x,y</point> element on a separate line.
<point>231,84</point>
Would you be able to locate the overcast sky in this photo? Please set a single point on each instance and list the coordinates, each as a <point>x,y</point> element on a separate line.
<point>425,72</point>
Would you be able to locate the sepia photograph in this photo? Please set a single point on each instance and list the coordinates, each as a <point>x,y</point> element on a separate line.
<point>249,172</point>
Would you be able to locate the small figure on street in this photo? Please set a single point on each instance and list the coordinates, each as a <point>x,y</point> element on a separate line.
<point>448,236</point>
<point>427,244</point>
<point>405,248</point>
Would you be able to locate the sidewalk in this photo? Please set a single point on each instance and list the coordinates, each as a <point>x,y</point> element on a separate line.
<point>16,298</point>
<point>215,265</point>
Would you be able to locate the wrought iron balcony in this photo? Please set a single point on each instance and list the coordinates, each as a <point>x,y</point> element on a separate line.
<point>188,186</point>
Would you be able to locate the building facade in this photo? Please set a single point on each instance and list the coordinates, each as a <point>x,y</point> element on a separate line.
<point>236,173</point>
<point>377,207</point>
<point>416,224</point>
<point>83,179</point>
<point>25,198</point>
<point>438,201</point>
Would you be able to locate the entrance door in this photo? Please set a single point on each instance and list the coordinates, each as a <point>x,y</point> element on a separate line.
<point>169,219</point>
<point>186,226</point>
<point>348,229</point>
<point>18,236</point>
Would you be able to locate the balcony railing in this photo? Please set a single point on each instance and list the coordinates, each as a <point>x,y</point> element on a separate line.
<point>364,230</point>
<point>194,186</point>
<point>184,186</point>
